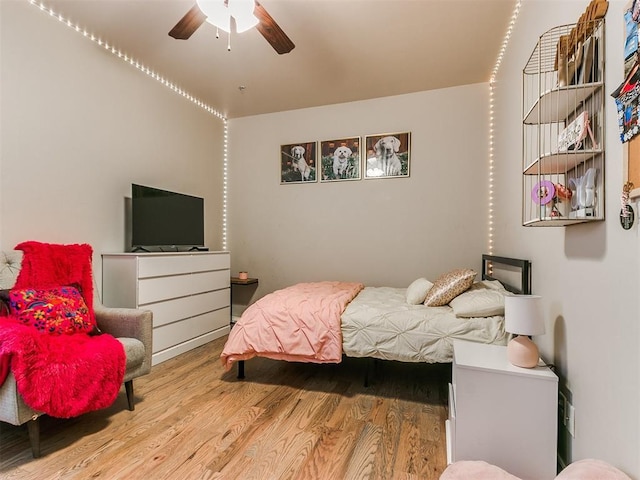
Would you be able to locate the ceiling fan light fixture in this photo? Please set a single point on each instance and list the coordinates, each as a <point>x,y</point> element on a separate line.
<point>244,24</point>
<point>217,13</point>
<point>246,14</point>
<point>242,12</point>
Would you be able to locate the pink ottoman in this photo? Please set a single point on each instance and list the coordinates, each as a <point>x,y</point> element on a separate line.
<point>588,469</point>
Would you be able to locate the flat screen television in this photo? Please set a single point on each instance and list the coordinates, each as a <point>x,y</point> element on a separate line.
<point>160,218</point>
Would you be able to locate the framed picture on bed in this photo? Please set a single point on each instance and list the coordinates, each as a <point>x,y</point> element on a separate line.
<point>340,159</point>
<point>298,163</point>
<point>387,155</point>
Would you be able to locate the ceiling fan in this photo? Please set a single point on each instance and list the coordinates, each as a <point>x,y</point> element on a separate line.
<point>219,13</point>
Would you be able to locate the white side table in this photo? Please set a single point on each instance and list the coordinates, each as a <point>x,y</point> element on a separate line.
<point>502,414</point>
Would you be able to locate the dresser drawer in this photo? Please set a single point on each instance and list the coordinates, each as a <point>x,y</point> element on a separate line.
<point>175,333</point>
<point>158,266</point>
<point>185,307</point>
<point>158,289</point>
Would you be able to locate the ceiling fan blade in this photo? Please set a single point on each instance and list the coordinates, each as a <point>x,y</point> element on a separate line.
<point>188,24</point>
<point>272,32</point>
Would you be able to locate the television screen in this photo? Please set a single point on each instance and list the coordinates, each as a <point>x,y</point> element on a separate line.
<point>162,218</point>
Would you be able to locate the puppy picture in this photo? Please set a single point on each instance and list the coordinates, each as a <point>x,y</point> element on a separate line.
<point>388,155</point>
<point>340,159</point>
<point>298,162</point>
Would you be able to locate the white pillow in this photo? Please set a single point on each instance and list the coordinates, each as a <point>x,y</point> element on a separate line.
<point>481,300</point>
<point>417,291</point>
<point>494,284</point>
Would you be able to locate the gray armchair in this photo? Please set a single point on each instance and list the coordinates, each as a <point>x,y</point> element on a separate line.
<point>133,328</point>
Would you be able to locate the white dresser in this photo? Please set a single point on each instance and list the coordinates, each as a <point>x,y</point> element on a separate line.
<point>502,414</point>
<point>188,293</point>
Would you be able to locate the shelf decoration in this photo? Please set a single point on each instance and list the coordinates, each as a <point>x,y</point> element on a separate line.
<point>583,201</point>
<point>572,136</point>
<point>627,215</point>
<point>627,97</point>
<point>543,192</point>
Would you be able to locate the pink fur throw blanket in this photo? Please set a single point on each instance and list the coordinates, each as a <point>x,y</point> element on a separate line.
<point>61,375</point>
<point>300,323</point>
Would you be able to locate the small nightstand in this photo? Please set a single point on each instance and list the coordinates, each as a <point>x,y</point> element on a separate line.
<point>500,413</point>
<point>242,282</point>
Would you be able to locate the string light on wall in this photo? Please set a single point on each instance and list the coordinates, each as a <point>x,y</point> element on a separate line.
<point>225,185</point>
<point>159,78</point>
<point>492,81</point>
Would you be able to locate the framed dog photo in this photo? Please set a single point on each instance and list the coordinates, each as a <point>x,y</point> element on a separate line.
<point>298,163</point>
<point>340,159</point>
<point>387,155</point>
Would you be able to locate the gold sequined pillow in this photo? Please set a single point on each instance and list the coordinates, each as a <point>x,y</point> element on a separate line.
<point>448,286</point>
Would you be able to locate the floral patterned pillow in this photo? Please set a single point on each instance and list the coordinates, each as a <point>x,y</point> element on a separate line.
<point>56,311</point>
<point>448,286</point>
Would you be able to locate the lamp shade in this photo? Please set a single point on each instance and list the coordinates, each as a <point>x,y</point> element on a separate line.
<point>523,315</point>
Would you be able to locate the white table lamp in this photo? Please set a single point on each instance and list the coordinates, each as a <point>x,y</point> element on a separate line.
<point>523,317</point>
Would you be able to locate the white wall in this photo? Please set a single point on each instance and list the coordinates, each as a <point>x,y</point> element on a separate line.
<point>586,274</point>
<point>377,231</point>
<point>79,125</point>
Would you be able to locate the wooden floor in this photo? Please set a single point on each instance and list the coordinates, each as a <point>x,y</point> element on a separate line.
<point>285,421</point>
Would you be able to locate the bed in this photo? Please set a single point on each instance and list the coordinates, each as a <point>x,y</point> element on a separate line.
<point>321,322</point>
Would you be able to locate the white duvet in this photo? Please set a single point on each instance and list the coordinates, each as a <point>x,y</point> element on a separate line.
<point>379,323</point>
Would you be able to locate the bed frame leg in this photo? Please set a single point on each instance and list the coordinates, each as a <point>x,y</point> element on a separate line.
<point>241,369</point>
<point>370,371</point>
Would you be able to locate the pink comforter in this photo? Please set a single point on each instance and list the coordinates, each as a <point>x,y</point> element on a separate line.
<point>300,323</point>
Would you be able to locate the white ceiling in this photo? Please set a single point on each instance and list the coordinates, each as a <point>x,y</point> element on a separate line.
<point>345,50</point>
